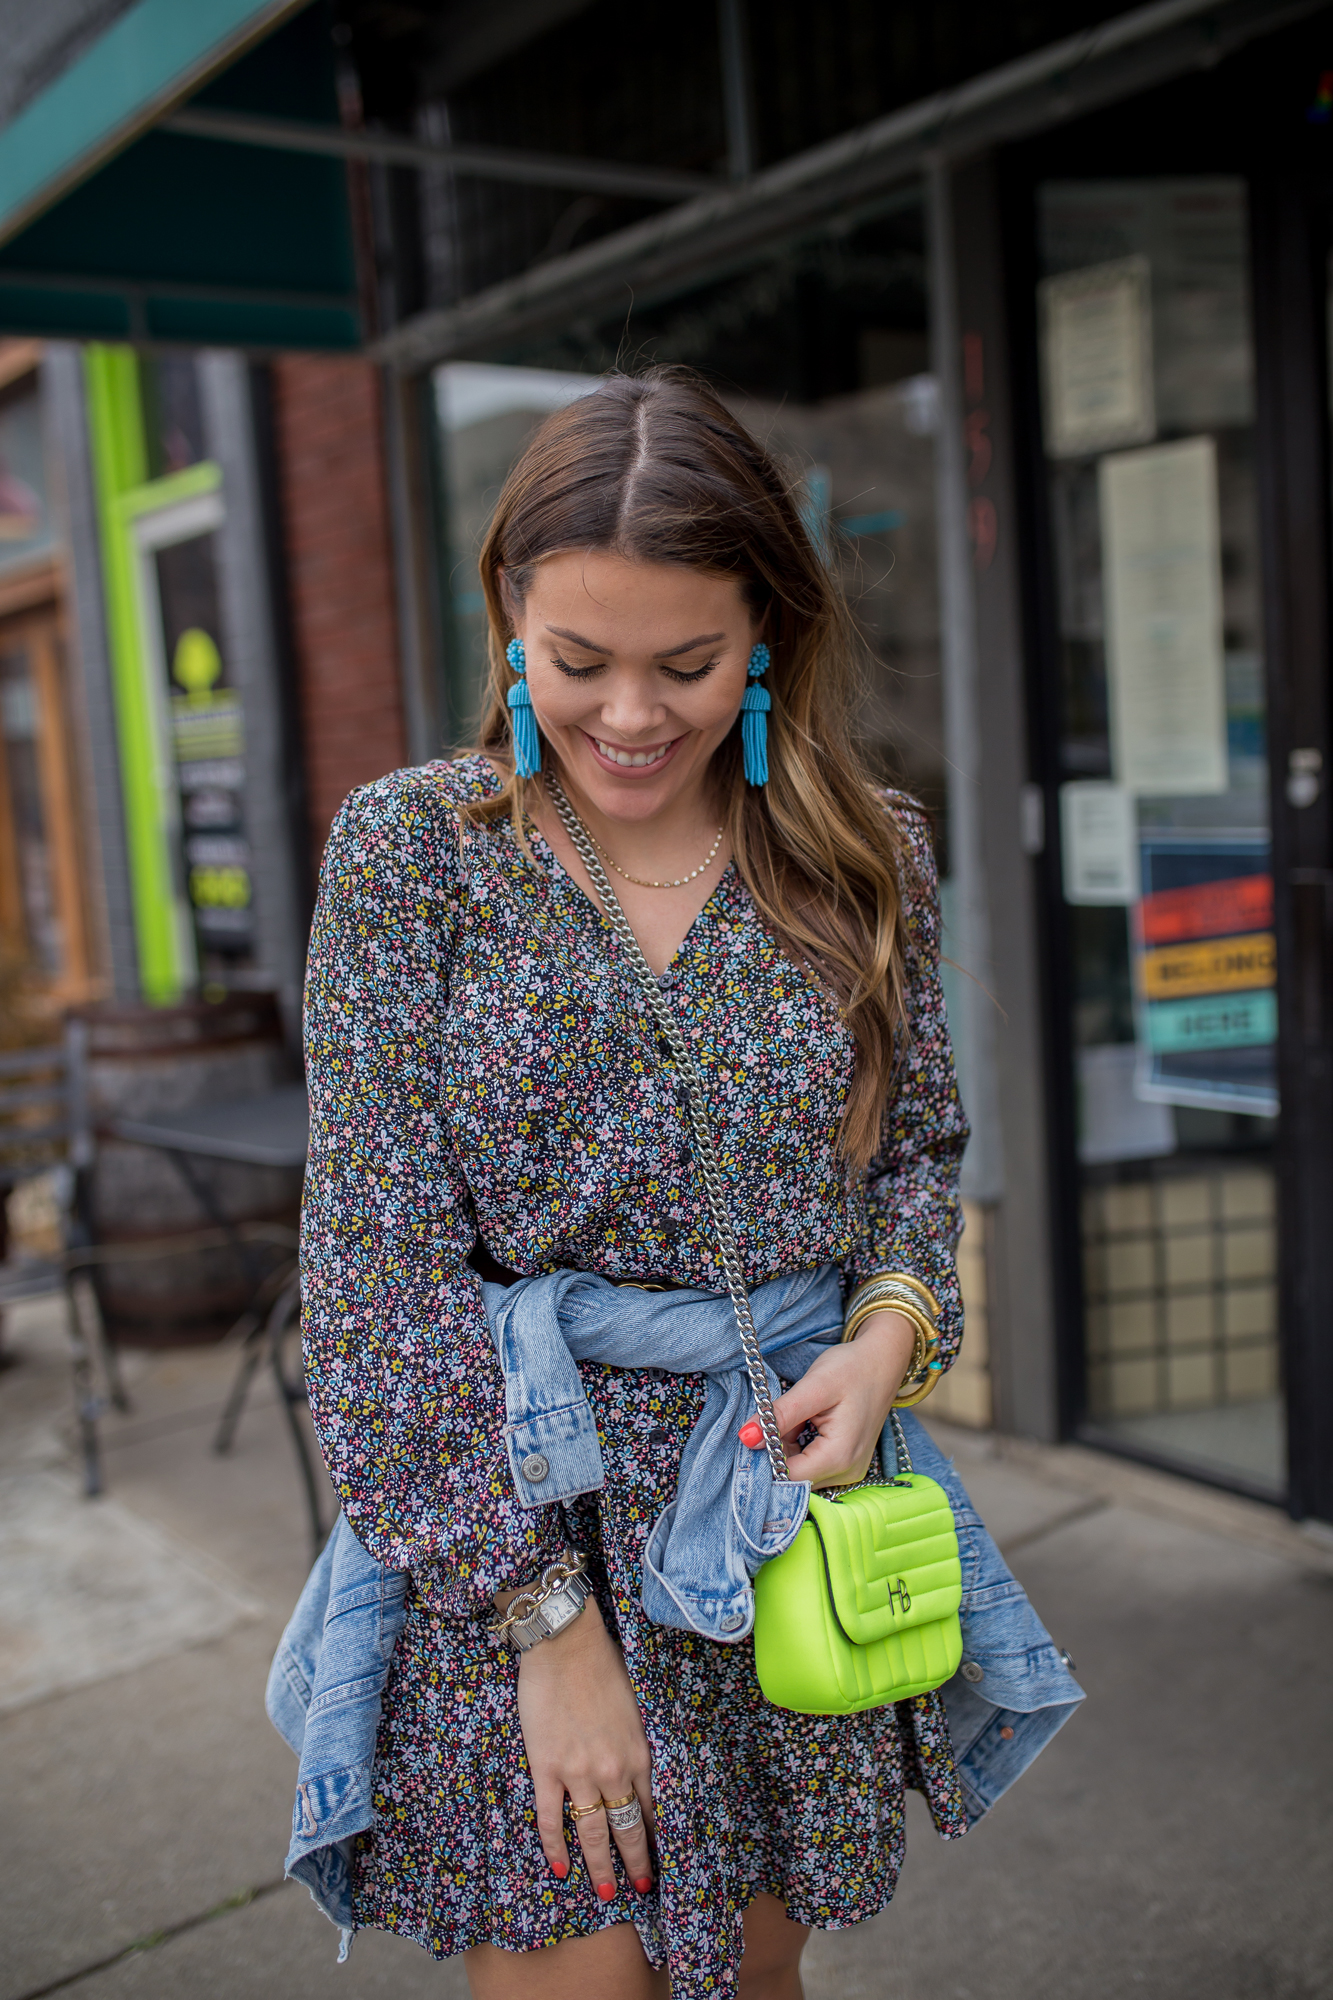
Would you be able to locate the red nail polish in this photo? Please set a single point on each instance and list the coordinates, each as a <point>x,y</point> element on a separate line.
<point>644,1884</point>
<point>560,1868</point>
<point>606,1890</point>
<point>752,1434</point>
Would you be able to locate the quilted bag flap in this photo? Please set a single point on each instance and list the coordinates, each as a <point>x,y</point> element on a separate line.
<point>890,1557</point>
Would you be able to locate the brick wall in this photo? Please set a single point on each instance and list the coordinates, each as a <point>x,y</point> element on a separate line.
<point>335,516</point>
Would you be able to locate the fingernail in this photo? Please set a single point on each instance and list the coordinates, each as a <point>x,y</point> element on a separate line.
<point>644,1884</point>
<point>560,1868</point>
<point>606,1890</point>
<point>752,1434</point>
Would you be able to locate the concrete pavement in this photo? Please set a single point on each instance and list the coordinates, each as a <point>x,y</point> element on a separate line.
<point>1175,1841</point>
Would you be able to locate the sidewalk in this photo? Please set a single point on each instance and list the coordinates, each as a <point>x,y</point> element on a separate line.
<point>1175,1841</point>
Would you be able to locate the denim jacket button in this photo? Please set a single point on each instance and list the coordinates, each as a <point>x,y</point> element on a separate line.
<point>733,1621</point>
<point>971,1670</point>
<point>535,1468</point>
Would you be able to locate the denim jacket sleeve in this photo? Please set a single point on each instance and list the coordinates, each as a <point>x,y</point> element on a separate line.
<point>1013,1690</point>
<point>406,1392</point>
<point>913,1215</point>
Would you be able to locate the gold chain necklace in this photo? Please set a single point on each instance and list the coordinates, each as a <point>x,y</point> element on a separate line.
<point>639,881</point>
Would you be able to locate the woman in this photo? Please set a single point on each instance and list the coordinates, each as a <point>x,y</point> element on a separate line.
<point>488,1100</point>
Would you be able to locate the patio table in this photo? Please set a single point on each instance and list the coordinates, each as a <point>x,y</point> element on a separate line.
<point>270,1129</point>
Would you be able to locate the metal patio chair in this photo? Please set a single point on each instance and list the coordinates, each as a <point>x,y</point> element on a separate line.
<point>45,1129</point>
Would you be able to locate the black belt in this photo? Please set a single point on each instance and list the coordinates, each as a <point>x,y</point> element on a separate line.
<point>493,1272</point>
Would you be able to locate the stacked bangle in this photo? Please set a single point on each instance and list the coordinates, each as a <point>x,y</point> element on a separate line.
<point>896,1291</point>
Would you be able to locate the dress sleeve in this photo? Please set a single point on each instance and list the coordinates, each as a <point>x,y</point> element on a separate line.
<point>405,1388</point>
<point>913,1208</point>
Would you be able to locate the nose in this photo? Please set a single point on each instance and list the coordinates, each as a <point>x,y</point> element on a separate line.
<point>631,709</point>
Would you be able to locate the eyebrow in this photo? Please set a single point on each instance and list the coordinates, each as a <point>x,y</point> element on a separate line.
<point>671,652</point>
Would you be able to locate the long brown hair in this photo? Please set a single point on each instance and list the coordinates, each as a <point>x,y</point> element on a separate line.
<point>655,468</point>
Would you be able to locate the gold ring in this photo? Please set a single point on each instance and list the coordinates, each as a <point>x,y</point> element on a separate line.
<point>581,1812</point>
<point>612,1804</point>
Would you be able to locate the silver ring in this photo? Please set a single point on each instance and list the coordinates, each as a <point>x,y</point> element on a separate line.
<point>625,1818</point>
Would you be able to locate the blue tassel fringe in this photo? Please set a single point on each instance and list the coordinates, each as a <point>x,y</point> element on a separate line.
<point>522,720</point>
<point>754,733</point>
<point>523,726</point>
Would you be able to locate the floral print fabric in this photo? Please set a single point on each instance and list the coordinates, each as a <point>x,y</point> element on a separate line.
<point>480,1062</point>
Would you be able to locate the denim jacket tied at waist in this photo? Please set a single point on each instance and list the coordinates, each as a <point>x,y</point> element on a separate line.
<point>1011,1694</point>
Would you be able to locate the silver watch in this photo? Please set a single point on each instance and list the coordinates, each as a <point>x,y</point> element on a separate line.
<point>552,1615</point>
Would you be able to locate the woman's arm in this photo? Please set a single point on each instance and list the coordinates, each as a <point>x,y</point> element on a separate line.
<point>405,1388</point>
<point>913,1212</point>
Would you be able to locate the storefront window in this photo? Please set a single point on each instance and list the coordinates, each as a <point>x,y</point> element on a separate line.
<point>822,350</point>
<point>34,922</point>
<point>205,729</point>
<point>26,529</point>
<point>173,413</point>
<point>1148,415</point>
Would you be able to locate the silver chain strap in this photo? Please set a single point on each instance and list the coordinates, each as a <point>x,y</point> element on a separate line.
<point>709,1168</point>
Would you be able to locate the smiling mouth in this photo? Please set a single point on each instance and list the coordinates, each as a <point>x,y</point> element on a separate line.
<point>636,760</point>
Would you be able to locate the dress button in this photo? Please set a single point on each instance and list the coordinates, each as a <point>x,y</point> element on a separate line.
<point>971,1671</point>
<point>535,1468</point>
<point>733,1621</point>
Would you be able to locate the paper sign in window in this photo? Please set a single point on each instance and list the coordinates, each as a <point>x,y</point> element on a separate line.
<point>1096,329</point>
<point>1098,842</point>
<point>1162,585</point>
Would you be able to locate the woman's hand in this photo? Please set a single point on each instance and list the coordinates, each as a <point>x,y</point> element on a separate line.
<point>584,1736</point>
<point>847,1396</point>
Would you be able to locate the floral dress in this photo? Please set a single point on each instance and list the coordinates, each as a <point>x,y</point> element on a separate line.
<point>481,1062</point>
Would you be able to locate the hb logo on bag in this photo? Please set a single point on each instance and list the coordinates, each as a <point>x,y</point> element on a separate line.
<point>900,1591</point>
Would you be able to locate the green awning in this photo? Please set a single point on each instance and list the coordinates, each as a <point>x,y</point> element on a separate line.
<point>110,230</point>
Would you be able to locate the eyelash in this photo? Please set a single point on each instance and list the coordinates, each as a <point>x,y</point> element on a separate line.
<point>586,673</point>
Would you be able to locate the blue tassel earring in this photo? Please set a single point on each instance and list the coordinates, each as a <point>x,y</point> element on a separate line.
<point>522,720</point>
<point>754,719</point>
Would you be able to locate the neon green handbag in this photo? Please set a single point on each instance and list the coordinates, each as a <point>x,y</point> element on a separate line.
<point>862,1609</point>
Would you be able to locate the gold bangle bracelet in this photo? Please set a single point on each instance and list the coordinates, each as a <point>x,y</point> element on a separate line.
<point>921,1339</point>
<point>905,1399</point>
<point>919,1375</point>
<point>921,1293</point>
<point>898,1291</point>
<point>861,1313</point>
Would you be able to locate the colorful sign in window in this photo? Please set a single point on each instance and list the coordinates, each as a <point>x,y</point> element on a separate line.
<point>1206,972</point>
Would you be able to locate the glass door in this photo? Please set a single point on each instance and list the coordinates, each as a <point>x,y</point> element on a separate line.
<point>1148,421</point>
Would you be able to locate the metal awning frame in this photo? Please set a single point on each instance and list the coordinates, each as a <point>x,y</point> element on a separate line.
<point>706,238</point>
<point>496,163</point>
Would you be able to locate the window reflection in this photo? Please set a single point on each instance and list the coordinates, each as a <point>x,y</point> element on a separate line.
<point>1148,413</point>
